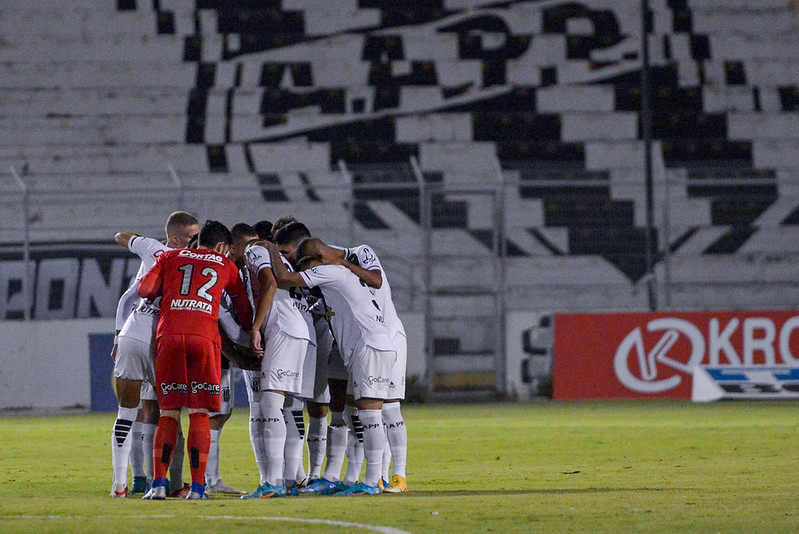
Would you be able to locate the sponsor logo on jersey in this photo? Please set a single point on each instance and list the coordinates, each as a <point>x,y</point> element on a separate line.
<point>213,389</point>
<point>191,305</point>
<point>213,257</point>
<point>174,386</point>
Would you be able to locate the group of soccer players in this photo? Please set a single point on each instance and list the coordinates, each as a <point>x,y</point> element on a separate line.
<point>309,323</point>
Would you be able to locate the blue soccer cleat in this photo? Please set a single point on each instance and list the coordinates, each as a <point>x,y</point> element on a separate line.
<point>322,486</point>
<point>266,491</point>
<point>358,489</point>
<point>139,485</point>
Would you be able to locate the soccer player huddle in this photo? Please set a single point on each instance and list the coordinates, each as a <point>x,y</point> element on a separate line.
<point>312,326</point>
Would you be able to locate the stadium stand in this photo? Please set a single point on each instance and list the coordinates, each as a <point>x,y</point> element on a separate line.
<point>522,113</point>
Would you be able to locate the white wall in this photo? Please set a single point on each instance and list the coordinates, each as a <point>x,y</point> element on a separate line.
<point>45,364</point>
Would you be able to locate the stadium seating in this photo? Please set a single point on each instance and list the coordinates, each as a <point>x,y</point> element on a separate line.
<point>521,112</point>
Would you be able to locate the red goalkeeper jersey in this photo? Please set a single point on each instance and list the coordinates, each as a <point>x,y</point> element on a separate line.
<point>190,283</point>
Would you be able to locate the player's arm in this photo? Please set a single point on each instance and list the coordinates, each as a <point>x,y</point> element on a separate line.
<point>285,279</point>
<point>238,295</point>
<point>370,277</point>
<point>268,284</point>
<point>150,285</point>
<point>123,238</point>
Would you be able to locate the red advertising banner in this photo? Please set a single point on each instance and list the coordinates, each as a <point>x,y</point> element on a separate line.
<point>654,355</point>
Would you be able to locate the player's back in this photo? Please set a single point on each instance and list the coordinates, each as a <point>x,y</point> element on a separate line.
<point>192,285</point>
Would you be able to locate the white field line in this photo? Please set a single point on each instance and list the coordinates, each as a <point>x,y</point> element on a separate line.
<point>344,524</point>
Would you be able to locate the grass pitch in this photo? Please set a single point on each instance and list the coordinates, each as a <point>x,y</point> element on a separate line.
<point>542,467</point>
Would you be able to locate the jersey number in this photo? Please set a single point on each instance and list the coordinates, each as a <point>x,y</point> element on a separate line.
<point>202,291</point>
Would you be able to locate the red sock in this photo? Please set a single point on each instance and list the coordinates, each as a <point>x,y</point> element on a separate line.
<point>199,442</point>
<point>166,436</point>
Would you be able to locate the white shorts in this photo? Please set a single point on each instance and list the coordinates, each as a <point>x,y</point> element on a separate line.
<point>282,364</point>
<point>396,385</point>
<point>336,369</point>
<point>134,360</point>
<point>148,392</point>
<point>228,393</point>
<point>370,372</point>
<point>252,379</point>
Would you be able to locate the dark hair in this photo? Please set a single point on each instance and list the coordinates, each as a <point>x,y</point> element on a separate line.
<point>214,232</point>
<point>282,222</point>
<point>263,229</point>
<point>195,241</point>
<point>293,232</point>
<point>241,231</point>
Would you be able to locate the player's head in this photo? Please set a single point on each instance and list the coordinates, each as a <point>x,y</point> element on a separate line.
<point>263,229</point>
<point>308,252</point>
<point>288,237</point>
<point>242,233</point>
<point>215,236</point>
<point>281,223</point>
<point>180,228</point>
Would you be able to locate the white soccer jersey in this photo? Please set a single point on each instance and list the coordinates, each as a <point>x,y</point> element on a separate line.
<point>365,257</point>
<point>142,322</point>
<point>356,318</point>
<point>284,315</point>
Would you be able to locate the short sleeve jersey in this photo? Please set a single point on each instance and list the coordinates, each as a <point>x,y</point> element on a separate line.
<point>355,317</point>
<point>365,257</point>
<point>190,283</point>
<point>140,324</point>
<point>284,314</point>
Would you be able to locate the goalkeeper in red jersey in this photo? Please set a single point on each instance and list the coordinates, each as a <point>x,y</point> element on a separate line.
<point>190,283</point>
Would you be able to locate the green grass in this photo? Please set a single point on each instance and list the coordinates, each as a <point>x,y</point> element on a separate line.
<point>542,467</point>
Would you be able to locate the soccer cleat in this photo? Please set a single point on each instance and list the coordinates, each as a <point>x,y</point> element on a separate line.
<point>266,491</point>
<point>357,490</point>
<point>382,484</point>
<point>196,492</point>
<point>119,491</point>
<point>321,486</point>
<point>292,491</point>
<point>139,485</point>
<point>221,487</point>
<point>156,493</point>
<point>181,493</point>
<point>307,481</point>
<point>398,485</point>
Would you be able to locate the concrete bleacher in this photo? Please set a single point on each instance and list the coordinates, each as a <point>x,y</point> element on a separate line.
<point>241,110</point>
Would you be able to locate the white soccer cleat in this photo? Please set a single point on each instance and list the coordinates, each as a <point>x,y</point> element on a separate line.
<point>119,491</point>
<point>222,488</point>
<point>156,493</point>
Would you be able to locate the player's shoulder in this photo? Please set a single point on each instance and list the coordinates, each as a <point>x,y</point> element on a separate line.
<point>147,246</point>
<point>367,256</point>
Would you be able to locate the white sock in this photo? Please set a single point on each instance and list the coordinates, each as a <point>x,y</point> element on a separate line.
<point>121,443</point>
<point>176,467</point>
<point>257,439</point>
<point>295,439</point>
<point>337,433</point>
<point>317,445</point>
<point>385,464</point>
<point>397,435</point>
<point>212,467</point>
<point>147,434</point>
<point>374,442</point>
<point>354,445</point>
<point>136,452</point>
<point>274,435</point>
